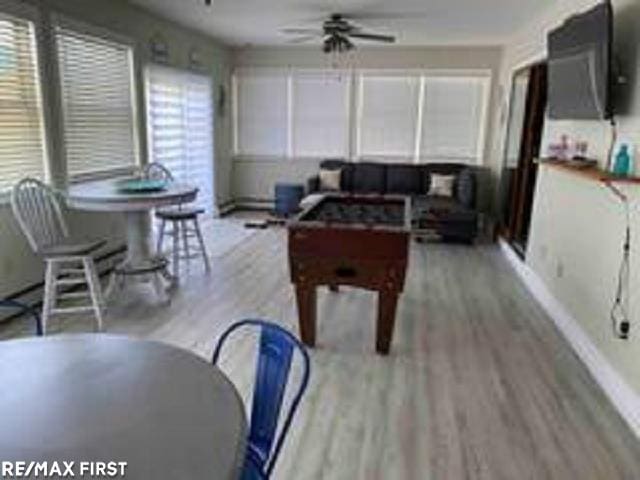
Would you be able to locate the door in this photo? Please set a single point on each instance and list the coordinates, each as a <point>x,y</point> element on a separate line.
<point>522,148</point>
<point>180,128</point>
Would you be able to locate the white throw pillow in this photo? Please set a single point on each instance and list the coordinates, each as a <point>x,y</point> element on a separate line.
<point>441,185</point>
<point>330,179</point>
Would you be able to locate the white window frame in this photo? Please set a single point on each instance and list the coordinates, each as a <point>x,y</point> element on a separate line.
<point>30,13</point>
<point>347,106</point>
<point>257,71</point>
<point>89,29</point>
<point>355,106</point>
<point>485,76</point>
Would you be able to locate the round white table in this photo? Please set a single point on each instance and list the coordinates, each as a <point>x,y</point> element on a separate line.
<point>104,196</point>
<point>87,398</point>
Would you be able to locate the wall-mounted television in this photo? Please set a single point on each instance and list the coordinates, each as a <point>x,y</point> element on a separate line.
<point>579,74</point>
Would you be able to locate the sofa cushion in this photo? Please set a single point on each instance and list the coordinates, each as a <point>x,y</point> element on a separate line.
<point>446,209</point>
<point>345,168</point>
<point>368,178</point>
<point>466,188</point>
<point>404,180</point>
<point>330,180</point>
<point>442,185</point>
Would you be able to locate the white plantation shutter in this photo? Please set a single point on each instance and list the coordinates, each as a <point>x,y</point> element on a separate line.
<point>321,114</point>
<point>388,116</point>
<point>262,113</point>
<point>453,112</point>
<point>96,82</point>
<point>180,127</point>
<point>22,149</point>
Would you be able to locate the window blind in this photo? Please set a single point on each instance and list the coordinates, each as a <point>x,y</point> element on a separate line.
<point>321,114</point>
<point>388,116</point>
<point>22,147</point>
<point>452,122</point>
<point>262,113</point>
<point>180,127</point>
<point>96,82</point>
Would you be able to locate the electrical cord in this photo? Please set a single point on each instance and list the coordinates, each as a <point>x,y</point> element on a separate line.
<point>619,311</point>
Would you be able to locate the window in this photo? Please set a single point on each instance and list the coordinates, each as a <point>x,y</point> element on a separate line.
<point>97,98</point>
<point>402,116</point>
<point>453,115</point>
<point>180,127</point>
<point>22,147</point>
<point>388,115</point>
<point>262,113</point>
<point>321,114</point>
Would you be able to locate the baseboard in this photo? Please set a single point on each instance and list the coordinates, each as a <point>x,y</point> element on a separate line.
<point>624,398</point>
<point>254,203</point>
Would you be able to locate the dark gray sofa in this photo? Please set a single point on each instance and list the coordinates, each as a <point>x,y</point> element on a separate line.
<point>457,217</point>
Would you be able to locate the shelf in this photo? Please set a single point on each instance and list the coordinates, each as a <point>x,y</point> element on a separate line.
<point>591,172</point>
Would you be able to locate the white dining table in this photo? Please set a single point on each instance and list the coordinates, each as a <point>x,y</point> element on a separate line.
<point>105,196</point>
<point>163,412</point>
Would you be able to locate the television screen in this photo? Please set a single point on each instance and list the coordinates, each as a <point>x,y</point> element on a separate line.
<point>579,66</point>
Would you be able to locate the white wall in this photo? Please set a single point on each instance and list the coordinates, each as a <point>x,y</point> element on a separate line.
<point>577,224</point>
<point>255,178</point>
<point>19,268</point>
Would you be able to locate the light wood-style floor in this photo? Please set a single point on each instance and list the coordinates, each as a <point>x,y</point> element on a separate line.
<point>479,384</point>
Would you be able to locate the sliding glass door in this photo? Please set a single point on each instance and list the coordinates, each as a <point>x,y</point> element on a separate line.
<point>180,128</point>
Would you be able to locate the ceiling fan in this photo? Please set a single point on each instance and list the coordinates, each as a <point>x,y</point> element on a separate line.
<point>337,34</point>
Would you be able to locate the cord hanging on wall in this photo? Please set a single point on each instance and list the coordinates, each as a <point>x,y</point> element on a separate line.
<point>619,310</point>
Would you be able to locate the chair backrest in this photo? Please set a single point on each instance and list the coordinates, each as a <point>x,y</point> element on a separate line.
<point>157,171</point>
<point>272,374</point>
<point>38,213</point>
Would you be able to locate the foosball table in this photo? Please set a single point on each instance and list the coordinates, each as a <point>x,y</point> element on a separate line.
<point>359,241</point>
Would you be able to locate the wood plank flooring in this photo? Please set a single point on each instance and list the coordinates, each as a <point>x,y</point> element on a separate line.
<point>479,384</point>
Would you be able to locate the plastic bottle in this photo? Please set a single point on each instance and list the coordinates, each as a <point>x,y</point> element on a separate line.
<point>622,164</point>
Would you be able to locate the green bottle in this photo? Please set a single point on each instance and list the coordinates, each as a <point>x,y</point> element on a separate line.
<point>622,165</point>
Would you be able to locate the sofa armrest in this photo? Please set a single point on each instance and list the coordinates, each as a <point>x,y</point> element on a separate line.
<point>467,188</point>
<point>313,184</point>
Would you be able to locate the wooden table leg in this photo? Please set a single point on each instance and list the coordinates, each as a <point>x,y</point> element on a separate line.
<point>306,298</point>
<point>387,302</point>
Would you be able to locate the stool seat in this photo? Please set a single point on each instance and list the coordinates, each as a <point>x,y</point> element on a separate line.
<point>179,214</point>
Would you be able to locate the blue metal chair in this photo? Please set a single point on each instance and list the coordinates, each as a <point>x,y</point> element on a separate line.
<point>272,374</point>
<point>24,309</point>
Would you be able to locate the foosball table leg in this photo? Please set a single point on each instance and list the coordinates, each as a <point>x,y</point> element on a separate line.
<point>306,299</point>
<point>387,302</point>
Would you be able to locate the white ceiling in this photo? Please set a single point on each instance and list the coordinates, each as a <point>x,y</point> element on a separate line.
<point>417,22</point>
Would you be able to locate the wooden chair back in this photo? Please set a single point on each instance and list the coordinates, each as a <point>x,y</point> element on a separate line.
<point>38,213</point>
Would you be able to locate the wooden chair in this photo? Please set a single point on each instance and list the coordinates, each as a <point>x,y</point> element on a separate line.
<point>184,225</point>
<point>68,261</point>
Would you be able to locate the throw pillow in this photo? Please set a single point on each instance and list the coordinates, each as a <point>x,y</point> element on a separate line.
<point>441,185</point>
<point>330,179</point>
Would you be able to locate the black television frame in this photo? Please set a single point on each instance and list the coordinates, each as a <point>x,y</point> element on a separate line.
<point>561,48</point>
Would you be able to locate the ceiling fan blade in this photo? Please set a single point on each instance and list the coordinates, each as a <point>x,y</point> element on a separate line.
<point>374,37</point>
<point>383,15</point>
<point>301,31</point>
<point>304,39</point>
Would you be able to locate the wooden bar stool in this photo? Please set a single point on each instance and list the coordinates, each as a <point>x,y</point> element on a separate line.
<point>185,226</point>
